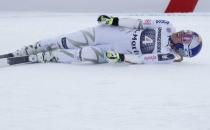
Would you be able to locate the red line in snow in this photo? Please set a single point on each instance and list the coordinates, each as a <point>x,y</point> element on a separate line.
<point>181,6</point>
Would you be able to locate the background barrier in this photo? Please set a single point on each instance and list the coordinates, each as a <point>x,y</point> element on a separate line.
<point>114,6</point>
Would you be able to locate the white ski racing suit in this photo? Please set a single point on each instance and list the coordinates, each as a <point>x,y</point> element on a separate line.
<point>141,41</point>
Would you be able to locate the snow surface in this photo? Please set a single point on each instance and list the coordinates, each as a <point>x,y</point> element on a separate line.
<point>105,96</point>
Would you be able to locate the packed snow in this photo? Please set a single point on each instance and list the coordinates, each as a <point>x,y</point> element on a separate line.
<point>103,96</point>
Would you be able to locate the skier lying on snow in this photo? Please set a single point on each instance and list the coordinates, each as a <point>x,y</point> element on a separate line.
<point>118,40</point>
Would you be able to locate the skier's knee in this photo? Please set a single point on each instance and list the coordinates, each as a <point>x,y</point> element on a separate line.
<point>92,54</point>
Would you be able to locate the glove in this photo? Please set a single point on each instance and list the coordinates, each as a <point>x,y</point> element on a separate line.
<point>108,20</point>
<point>114,57</point>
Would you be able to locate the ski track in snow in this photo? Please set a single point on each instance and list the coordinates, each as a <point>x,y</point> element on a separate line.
<point>105,96</point>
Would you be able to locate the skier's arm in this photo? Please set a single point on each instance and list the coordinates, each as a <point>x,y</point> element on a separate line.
<point>113,57</point>
<point>133,23</point>
<point>150,59</point>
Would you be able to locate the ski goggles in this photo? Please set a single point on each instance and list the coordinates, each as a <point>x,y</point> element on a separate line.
<point>187,38</point>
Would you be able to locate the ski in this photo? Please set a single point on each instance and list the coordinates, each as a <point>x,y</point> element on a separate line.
<point>17,60</point>
<point>6,55</point>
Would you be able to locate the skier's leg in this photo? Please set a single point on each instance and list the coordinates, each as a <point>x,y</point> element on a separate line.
<point>58,56</point>
<point>94,54</point>
<point>73,40</point>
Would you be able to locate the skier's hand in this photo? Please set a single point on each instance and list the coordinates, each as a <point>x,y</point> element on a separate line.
<point>114,57</point>
<point>104,19</point>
